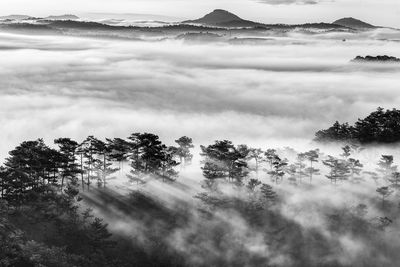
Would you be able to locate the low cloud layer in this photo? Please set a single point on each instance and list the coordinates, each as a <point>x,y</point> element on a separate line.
<point>272,94</point>
<point>275,93</point>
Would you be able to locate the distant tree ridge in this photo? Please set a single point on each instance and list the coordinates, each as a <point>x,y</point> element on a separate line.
<point>379,127</point>
<point>378,59</point>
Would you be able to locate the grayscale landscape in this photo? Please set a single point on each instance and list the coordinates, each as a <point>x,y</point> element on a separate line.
<point>218,139</point>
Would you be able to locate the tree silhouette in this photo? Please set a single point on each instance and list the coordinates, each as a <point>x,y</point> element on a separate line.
<point>338,132</point>
<point>278,169</point>
<point>312,156</point>
<point>68,167</point>
<point>300,166</point>
<point>31,168</point>
<point>168,164</point>
<point>224,160</point>
<point>118,151</point>
<point>346,152</point>
<point>253,184</point>
<point>103,165</point>
<point>291,170</point>
<point>381,126</point>
<point>270,155</point>
<point>149,156</point>
<point>256,154</point>
<point>386,166</point>
<point>395,180</point>
<point>339,169</point>
<point>355,168</point>
<point>268,193</point>
<point>185,145</point>
<point>90,149</point>
<point>384,192</point>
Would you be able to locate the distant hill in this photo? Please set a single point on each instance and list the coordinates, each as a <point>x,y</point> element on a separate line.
<point>223,18</point>
<point>226,19</point>
<point>15,17</point>
<point>353,23</point>
<point>62,17</point>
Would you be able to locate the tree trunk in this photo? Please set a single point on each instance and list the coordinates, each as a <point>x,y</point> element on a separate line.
<point>83,183</point>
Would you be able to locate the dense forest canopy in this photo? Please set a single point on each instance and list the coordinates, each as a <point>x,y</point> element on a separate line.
<point>381,126</point>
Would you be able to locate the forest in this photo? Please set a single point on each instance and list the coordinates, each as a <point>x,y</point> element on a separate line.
<point>255,207</point>
<point>381,126</point>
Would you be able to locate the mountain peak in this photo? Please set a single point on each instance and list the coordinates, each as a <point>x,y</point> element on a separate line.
<point>353,23</point>
<point>218,16</point>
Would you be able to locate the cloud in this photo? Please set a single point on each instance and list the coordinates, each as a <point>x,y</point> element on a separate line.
<point>269,94</point>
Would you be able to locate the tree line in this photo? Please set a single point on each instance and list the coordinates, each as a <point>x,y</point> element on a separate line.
<point>241,165</point>
<point>381,126</point>
<point>35,168</point>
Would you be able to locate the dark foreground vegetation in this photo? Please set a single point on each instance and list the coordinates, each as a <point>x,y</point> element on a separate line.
<point>244,215</point>
<point>380,127</point>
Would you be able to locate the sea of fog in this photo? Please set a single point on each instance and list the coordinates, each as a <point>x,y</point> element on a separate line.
<point>272,94</point>
<point>269,93</point>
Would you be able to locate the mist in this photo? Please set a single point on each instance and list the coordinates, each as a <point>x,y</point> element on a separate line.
<point>276,91</point>
<point>279,92</point>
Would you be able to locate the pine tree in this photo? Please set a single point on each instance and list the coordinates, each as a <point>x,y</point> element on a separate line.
<point>270,155</point>
<point>312,156</point>
<point>278,167</point>
<point>355,168</point>
<point>89,150</point>
<point>69,169</point>
<point>300,166</point>
<point>253,184</point>
<point>346,152</point>
<point>256,155</point>
<point>386,166</point>
<point>119,151</point>
<point>103,165</point>
<point>185,145</point>
<point>291,170</point>
<point>31,169</point>
<point>224,160</point>
<point>339,169</point>
<point>168,164</point>
<point>395,180</point>
<point>384,192</point>
<point>150,157</point>
<point>268,193</point>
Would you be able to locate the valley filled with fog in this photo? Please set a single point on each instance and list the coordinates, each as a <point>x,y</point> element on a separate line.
<point>268,89</point>
<point>275,92</point>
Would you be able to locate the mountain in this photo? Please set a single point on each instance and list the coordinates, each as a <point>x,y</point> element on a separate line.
<point>15,17</point>
<point>223,18</point>
<point>62,17</point>
<point>353,23</point>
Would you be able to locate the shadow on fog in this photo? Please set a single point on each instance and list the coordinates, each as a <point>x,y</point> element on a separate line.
<point>236,231</point>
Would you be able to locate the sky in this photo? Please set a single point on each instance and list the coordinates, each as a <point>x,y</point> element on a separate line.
<point>378,12</point>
